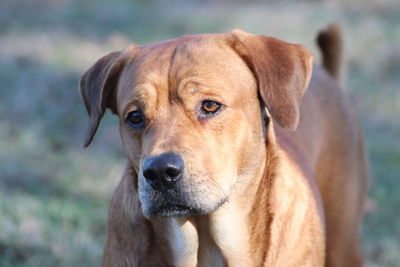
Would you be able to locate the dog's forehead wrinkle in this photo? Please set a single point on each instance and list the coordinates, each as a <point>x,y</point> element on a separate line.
<point>199,55</point>
<point>200,64</point>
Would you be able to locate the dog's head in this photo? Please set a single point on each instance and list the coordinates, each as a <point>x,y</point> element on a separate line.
<point>190,114</point>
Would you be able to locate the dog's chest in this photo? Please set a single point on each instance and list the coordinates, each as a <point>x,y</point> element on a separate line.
<point>209,254</point>
<point>190,247</point>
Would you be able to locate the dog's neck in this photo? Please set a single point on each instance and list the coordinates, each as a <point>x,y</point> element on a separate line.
<point>239,228</point>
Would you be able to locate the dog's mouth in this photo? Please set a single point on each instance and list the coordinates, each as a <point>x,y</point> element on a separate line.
<point>178,210</point>
<point>172,210</point>
<point>177,201</point>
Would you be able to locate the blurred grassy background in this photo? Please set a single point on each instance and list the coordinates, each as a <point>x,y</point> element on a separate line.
<point>54,194</point>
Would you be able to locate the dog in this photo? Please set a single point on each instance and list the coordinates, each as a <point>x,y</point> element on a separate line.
<point>231,160</point>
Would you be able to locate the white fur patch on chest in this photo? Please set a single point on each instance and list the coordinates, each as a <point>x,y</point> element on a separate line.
<point>191,248</point>
<point>184,242</point>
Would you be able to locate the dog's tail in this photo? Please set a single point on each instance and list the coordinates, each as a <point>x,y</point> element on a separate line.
<point>331,44</point>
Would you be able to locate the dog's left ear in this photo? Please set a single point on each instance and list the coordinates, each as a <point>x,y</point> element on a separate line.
<point>98,88</point>
<point>282,70</point>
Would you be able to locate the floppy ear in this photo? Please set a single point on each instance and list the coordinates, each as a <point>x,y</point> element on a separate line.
<point>98,89</point>
<point>282,70</point>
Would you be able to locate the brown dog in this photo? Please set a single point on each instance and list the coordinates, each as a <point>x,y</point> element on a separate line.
<point>216,174</point>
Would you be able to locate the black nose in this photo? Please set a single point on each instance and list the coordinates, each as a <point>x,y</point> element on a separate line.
<point>163,170</point>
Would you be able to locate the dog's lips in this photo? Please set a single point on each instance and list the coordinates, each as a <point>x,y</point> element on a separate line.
<point>171,210</point>
<point>174,202</point>
<point>178,210</point>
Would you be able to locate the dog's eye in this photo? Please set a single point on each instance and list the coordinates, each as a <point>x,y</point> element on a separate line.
<point>209,107</point>
<point>135,119</point>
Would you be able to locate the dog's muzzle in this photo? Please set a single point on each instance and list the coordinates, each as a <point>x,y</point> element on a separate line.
<point>160,190</point>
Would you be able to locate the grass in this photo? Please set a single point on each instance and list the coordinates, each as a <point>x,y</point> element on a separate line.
<point>54,194</point>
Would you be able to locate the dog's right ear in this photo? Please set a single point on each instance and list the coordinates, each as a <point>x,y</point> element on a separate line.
<point>98,88</point>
